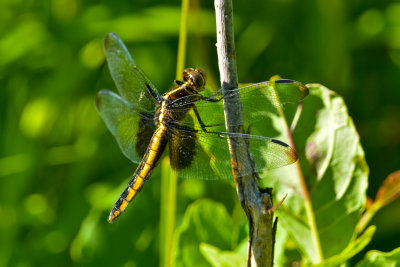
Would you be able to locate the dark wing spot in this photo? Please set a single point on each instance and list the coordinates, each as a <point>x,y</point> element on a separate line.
<point>284,81</point>
<point>182,147</point>
<point>279,142</point>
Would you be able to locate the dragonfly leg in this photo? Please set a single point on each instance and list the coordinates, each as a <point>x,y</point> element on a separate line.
<point>178,83</point>
<point>203,126</point>
<point>151,91</point>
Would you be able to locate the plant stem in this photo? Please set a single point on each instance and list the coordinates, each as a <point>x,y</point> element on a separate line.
<point>256,203</point>
<point>310,214</point>
<point>307,200</point>
<point>167,216</point>
<point>366,217</point>
<point>169,178</point>
<point>182,39</point>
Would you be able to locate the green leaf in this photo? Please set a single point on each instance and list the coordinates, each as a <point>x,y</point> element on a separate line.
<point>378,259</point>
<point>218,258</point>
<point>205,221</point>
<point>326,187</point>
<point>352,249</point>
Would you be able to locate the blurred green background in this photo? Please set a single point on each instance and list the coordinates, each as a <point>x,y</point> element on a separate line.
<point>61,170</point>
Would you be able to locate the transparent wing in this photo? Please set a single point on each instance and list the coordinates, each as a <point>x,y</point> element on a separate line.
<point>212,157</point>
<point>259,100</point>
<point>131,127</point>
<point>132,83</point>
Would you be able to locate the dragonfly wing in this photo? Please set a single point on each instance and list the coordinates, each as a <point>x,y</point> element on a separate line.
<point>278,91</point>
<point>132,83</point>
<point>259,101</point>
<point>212,157</point>
<point>182,148</point>
<point>263,99</point>
<point>269,153</point>
<point>131,128</point>
<point>205,164</point>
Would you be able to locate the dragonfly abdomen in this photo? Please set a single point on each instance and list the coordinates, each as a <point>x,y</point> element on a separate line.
<point>142,174</point>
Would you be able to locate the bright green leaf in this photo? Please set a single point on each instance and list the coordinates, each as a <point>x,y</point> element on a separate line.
<point>219,258</point>
<point>378,259</point>
<point>205,221</point>
<point>334,172</point>
<point>352,249</point>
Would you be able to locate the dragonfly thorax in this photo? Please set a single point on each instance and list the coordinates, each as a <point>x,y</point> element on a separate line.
<point>193,82</point>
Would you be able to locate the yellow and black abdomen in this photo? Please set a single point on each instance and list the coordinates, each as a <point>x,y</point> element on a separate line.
<point>150,159</point>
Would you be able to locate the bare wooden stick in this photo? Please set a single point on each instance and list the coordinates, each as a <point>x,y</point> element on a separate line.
<point>256,203</point>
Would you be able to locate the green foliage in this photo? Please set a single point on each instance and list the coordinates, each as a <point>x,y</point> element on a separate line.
<point>376,259</point>
<point>207,222</point>
<point>61,170</point>
<point>332,173</point>
<point>354,247</point>
<point>218,258</point>
<point>331,170</point>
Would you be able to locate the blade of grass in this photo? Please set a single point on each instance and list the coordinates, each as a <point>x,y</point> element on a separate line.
<point>167,216</point>
<point>182,39</point>
<point>169,178</point>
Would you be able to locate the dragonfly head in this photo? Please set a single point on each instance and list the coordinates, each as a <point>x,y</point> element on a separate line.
<point>196,77</point>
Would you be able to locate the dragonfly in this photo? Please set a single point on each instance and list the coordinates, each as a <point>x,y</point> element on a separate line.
<point>188,120</point>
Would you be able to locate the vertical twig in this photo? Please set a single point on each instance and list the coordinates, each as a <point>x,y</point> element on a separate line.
<point>255,202</point>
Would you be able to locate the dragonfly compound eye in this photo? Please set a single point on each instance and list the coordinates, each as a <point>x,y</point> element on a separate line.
<point>195,77</point>
<point>201,79</point>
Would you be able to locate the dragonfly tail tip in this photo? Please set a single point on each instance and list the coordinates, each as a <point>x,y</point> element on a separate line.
<point>111,219</point>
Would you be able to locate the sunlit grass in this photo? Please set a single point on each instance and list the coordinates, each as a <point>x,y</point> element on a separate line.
<point>168,210</point>
<point>169,178</point>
